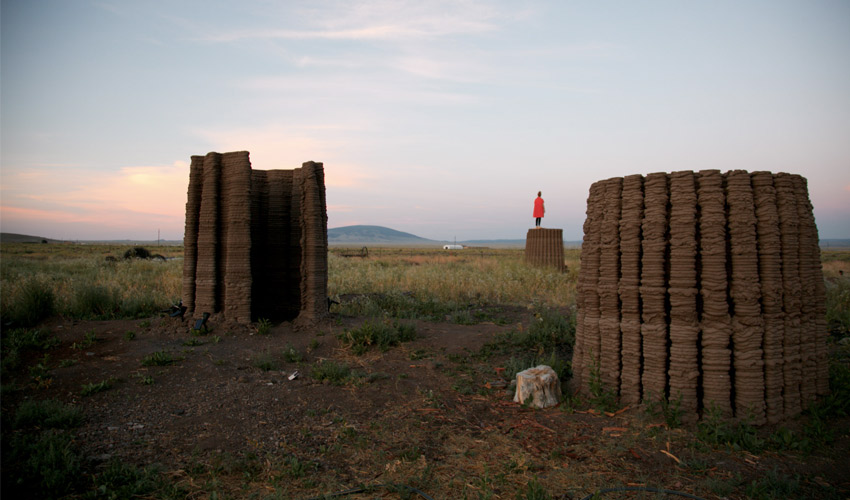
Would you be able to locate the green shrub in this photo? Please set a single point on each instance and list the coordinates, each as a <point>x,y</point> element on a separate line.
<point>43,465</point>
<point>548,332</point>
<point>774,485</point>
<point>47,414</point>
<point>381,334</point>
<point>265,362</point>
<point>264,326</point>
<point>119,480</point>
<point>93,301</point>
<point>19,340</point>
<point>335,373</point>
<point>714,429</point>
<point>30,302</point>
<point>291,355</point>
<point>838,307</point>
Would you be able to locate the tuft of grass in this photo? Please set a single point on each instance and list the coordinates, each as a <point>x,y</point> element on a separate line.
<point>94,388</point>
<point>129,335</point>
<point>774,484</point>
<point>265,362</point>
<point>120,480</point>
<point>381,334</point>
<point>549,331</point>
<point>17,341</point>
<point>534,491</point>
<point>31,301</point>
<point>715,430</point>
<point>159,358</point>
<point>838,306</point>
<point>334,373</point>
<point>46,464</point>
<point>669,409</point>
<point>47,414</point>
<point>94,301</point>
<point>601,397</point>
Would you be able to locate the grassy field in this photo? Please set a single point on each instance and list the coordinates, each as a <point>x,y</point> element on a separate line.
<point>384,290</point>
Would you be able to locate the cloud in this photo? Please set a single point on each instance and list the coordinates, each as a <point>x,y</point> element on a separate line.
<point>126,201</point>
<point>372,21</point>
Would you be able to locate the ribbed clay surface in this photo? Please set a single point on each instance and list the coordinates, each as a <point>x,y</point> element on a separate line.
<point>703,288</point>
<point>255,243</point>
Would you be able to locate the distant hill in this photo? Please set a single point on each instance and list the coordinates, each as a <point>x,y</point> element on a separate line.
<point>357,235</point>
<point>24,238</point>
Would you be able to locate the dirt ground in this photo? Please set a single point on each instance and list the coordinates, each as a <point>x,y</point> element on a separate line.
<point>426,413</point>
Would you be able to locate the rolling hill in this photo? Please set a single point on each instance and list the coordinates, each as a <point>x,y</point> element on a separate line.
<point>356,235</point>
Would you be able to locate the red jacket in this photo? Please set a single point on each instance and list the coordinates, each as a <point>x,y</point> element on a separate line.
<point>538,207</point>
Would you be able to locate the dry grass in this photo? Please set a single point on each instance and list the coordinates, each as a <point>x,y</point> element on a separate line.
<point>466,276</point>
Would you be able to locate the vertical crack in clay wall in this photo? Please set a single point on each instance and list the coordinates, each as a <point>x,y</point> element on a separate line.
<point>255,243</point>
<point>706,289</point>
<point>545,248</point>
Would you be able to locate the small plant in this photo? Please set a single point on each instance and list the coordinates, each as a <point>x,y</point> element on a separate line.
<point>334,373</point>
<point>669,409</point>
<point>67,362</point>
<point>89,389</point>
<point>296,468</point>
<point>265,362</point>
<point>291,355</point>
<point>381,334</point>
<point>601,397</point>
<point>159,358</point>
<point>146,380</point>
<point>89,340</point>
<point>716,430</point>
<point>264,326</point>
<point>534,491</point>
<point>129,335</point>
<point>215,339</point>
<point>774,485</point>
<point>144,324</point>
<point>192,342</point>
<point>122,480</point>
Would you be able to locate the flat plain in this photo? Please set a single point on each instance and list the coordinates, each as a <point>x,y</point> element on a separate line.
<point>405,388</point>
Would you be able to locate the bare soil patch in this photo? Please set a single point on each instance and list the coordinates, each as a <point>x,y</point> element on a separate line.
<point>223,419</point>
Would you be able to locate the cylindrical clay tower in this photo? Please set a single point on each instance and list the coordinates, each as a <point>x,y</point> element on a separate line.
<point>706,289</point>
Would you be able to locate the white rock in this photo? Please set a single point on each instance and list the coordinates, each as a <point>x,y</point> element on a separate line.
<point>538,386</point>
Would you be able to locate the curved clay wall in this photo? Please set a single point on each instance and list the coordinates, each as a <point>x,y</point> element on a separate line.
<point>255,244</point>
<point>704,288</point>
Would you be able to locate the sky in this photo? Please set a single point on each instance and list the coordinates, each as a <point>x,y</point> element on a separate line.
<point>439,118</point>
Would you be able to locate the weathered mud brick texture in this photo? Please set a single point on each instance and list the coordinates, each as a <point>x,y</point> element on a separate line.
<point>545,248</point>
<point>705,289</point>
<point>255,243</point>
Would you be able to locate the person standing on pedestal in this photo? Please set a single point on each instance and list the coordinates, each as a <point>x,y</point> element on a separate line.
<point>539,210</point>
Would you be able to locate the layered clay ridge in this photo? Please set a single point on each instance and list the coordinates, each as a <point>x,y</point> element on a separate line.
<point>255,243</point>
<point>703,288</point>
<point>545,248</point>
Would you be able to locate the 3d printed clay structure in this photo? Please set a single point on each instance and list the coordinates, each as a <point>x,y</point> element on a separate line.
<point>256,241</point>
<point>545,248</point>
<point>705,288</point>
